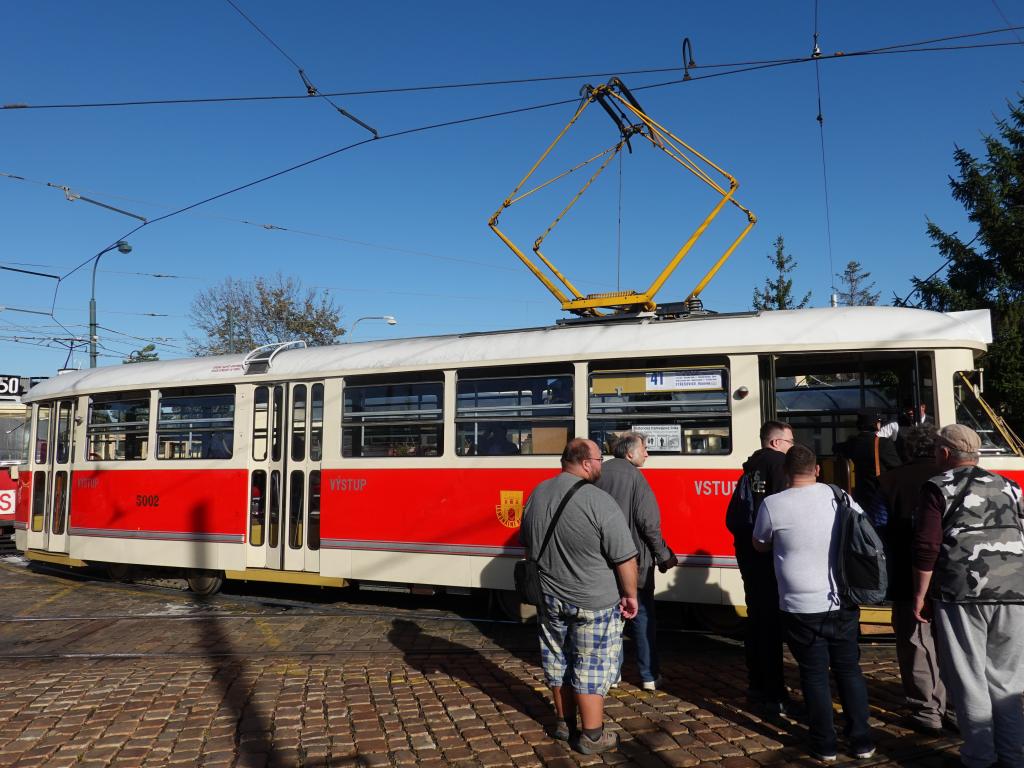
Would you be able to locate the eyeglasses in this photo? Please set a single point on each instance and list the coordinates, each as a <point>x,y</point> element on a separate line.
<point>594,458</point>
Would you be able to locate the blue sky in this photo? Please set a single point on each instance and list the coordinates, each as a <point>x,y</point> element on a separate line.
<point>399,226</point>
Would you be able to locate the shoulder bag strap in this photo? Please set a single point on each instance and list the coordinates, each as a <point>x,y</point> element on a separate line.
<point>554,520</point>
<point>878,464</point>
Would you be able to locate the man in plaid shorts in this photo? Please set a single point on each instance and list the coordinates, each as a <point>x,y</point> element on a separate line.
<point>588,575</point>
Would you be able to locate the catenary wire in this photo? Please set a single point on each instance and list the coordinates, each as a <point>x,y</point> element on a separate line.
<point>446,124</point>
<point>310,88</point>
<point>912,47</point>
<point>824,161</point>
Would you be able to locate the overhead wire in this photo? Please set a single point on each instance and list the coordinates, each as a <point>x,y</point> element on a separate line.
<point>816,53</point>
<point>310,88</point>
<point>912,47</point>
<point>1009,26</point>
<point>902,48</point>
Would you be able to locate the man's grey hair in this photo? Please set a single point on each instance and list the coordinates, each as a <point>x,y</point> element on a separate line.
<point>626,443</point>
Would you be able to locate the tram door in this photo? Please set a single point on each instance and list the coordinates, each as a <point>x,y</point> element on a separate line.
<point>51,480</point>
<point>284,493</point>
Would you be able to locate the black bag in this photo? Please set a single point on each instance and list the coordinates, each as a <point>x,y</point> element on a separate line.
<point>527,572</point>
<point>861,570</point>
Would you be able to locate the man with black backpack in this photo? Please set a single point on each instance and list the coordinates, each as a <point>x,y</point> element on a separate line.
<point>801,527</point>
<point>763,475</point>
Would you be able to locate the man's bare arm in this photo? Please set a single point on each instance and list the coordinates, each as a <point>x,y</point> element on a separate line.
<point>627,575</point>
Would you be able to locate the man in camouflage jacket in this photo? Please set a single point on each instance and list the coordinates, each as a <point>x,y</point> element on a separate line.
<point>969,549</point>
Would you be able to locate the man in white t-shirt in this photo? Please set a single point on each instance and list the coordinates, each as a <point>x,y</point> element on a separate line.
<point>799,526</point>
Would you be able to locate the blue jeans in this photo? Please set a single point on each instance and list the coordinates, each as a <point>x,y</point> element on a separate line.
<point>820,642</point>
<point>644,628</point>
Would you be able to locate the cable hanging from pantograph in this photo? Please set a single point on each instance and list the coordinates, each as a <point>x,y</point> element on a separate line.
<point>816,55</point>
<point>632,122</point>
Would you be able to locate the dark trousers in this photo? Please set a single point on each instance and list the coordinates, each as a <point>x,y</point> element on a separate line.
<point>764,632</point>
<point>820,642</point>
<point>644,629</point>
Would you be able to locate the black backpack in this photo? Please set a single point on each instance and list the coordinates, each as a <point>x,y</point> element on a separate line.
<point>861,573</point>
<point>739,515</point>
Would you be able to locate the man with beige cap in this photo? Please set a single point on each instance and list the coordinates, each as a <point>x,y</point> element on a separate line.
<point>969,549</point>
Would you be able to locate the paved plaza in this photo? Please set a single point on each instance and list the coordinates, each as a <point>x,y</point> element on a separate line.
<point>97,674</point>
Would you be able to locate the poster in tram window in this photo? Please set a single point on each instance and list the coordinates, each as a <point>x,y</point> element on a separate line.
<point>666,438</point>
<point>684,381</point>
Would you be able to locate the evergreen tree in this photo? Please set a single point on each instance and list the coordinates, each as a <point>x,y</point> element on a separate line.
<point>240,315</point>
<point>778,293</point>
<point>988,270</point>
<point>146,354</point>
<point>854,288</point>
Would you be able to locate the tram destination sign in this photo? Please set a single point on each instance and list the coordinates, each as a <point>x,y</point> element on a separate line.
<point>10,385</point>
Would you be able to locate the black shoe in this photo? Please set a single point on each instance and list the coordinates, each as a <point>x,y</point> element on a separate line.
<point>927,729</point>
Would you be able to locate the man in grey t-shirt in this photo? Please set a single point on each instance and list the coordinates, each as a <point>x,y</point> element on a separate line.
<point>588,576</point>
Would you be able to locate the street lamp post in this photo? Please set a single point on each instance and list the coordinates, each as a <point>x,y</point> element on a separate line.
<point>389,319</point>
<point>123,247</point>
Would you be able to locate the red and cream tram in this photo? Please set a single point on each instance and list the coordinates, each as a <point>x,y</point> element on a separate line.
<point>406,464</point>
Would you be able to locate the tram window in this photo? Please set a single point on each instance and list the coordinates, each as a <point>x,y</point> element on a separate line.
<point>38,500</point>
<point>820,394</point>
<point>501,416</point>
<point>118,428</point>
<point>296,490</point>
<point>63,440</point>
<point>316,422</point>
<point>277,416</point>
<point>260,423</point>
<point>60,502</point>
<point>972,410</point>
<point>14,434</point>
<point>274,528</point>
<point>42,434</point>
<point>396,418</point>
<point>299,422</point>
<point>257,507</point>
<point>680,410</point>
<point>313,537</point>
<point>196,423</point>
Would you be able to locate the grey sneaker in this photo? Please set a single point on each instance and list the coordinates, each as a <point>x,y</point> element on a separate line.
<point>607,741</point>
<point>829,757</point>
<point>863,753</point>
<point>562,731</point>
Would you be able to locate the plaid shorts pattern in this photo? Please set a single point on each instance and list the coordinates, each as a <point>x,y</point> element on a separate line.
<point>580,647</point>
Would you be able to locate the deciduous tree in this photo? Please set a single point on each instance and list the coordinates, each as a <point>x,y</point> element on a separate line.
<point>240,315</point>
<point>778,293</point>
<point>987,271</point>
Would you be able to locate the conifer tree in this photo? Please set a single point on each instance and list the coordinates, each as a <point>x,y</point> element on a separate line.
<point>854,288</point>
<point>778,293</point>
<point>987,271</point>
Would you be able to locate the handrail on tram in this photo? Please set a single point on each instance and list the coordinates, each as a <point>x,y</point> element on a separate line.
<point>266,354</point>
<point>622,107</point>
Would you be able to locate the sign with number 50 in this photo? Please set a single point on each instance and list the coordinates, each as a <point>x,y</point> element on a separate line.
<point>10,385</point>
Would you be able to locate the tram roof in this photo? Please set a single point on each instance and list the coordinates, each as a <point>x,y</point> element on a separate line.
<point>803,330</point>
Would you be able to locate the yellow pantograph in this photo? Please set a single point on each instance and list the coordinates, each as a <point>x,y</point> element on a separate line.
<point>631,120</point>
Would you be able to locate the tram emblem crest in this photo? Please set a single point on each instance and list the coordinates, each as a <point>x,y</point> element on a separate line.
<point>510,511</point>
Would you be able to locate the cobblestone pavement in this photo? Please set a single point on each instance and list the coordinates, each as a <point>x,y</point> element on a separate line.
<point>102,674</point>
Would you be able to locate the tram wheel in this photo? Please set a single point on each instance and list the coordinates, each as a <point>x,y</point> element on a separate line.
<point>205,582</point>
<point>119,572</point>
<point>719,619</point>
<point>508,604</point>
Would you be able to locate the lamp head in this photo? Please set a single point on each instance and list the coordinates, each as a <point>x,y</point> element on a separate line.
<point>124,247</point>
<point>390,319</point>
